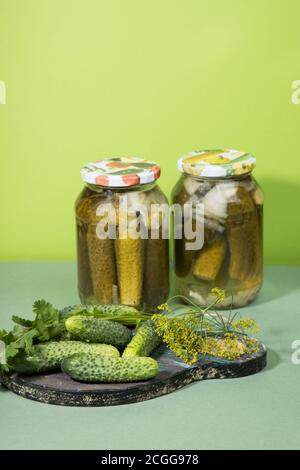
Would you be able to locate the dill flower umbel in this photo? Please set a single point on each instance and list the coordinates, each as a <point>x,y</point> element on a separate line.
<point>180,335</point>
<point>189,331</point>
<point>163,307</point>
<point>219,293</point>
<point>230,346</point>
<point>246,324</point>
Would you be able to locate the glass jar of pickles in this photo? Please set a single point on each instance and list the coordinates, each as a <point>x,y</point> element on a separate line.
<point>122,254</point>
<point>219,187</point>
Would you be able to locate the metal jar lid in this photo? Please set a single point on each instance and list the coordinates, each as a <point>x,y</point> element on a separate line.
<point>217,163</point>
<point>120,172</point>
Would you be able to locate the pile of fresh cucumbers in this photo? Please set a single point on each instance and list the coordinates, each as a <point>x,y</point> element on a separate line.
<point>96,344</point>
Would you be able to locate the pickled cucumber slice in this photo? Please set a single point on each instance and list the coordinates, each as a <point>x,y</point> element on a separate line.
<point>102,263</point>
<point>130,264</point>
<point>184,258</point>
<point>242,230</point>
<point>209,261</point>
<point>156,276</point>
<point>83,266</point>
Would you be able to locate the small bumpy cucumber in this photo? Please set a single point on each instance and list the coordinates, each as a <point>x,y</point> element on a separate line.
<point>144,341</point>
<point>124,314</point>
<point>112,310</point>
<point>115,310</point>
<point>95,330</point>
<point>48,356</point>
<point>92,368</point>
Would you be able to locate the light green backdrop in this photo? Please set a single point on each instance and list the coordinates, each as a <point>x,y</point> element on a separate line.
<point>156,78</point>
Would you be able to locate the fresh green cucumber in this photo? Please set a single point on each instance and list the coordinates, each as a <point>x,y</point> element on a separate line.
<point>120,313</point>
<point>144,341</point>
<point>87,367</point>
<point>115,310</point>
<point>48,356</point>
<point>96,330</point>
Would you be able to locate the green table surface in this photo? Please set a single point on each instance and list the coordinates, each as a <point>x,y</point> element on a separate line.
<point>256,412</point>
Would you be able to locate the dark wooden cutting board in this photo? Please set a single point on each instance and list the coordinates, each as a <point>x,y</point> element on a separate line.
<point>59,389</point>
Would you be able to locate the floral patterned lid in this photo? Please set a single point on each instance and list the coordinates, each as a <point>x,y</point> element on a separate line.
<point>217,163</point>
<point>120,172</point>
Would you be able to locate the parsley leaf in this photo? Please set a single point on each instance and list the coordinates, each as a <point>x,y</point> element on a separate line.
<point>47,319</point>
<point>21,321</point>
<point>45,326</point>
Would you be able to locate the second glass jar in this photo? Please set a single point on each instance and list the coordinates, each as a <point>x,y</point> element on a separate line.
<point>231,257</point>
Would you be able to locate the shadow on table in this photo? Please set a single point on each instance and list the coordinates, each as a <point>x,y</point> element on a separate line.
<point>3,389</point>
<point>277,283</point>
<point>273,359</point>
<point>281,229</point>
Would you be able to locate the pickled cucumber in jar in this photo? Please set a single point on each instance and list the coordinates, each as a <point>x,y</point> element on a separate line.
<point>118,261</point>
<point>221,184</point>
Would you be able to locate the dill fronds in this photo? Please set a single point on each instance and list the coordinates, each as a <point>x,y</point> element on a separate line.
<point>189,331</point>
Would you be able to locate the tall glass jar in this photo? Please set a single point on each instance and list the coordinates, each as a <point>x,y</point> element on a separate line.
<point>118,259</point>
<point>219,186</point>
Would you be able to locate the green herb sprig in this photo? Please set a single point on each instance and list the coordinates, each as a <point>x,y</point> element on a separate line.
<point>45,326</point>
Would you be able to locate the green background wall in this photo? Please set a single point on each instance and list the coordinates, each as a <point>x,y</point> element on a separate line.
<point>156,78</point>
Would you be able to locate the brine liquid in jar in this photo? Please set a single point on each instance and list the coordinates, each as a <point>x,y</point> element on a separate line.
<point>231,256</point>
